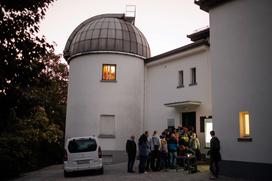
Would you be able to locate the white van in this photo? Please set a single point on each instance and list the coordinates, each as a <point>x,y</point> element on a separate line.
<point>82,153</point>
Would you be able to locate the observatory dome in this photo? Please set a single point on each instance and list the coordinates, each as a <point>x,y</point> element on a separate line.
<point>114,33</point>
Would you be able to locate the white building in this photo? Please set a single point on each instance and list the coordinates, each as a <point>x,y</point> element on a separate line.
<point>116,89</point>
<point>106,55</point>
<point>178,87</point>
<point>221,81</point>
<point>241,67</point>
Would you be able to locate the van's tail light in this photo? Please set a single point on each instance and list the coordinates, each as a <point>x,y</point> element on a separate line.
<point>99,152</point>
<point>65,157</point>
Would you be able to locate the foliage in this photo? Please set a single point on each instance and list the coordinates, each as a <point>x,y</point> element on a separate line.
<point>10,155</point>
<point>39,128</point>
<point>33,89</point>
<point>21,53</point>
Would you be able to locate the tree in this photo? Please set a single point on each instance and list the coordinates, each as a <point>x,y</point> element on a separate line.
<point>50,91</point>
<point>21,55</point>
<point>33,88</point>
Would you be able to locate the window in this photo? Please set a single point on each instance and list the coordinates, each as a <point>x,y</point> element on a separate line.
<point>170,123</point>
<point>244,125</point>
<point>82,145</point>
<point>208,128</point>
<point>109,72</point>
<point>107,126</point>
<point>180,79</point>
<point>193,76</point>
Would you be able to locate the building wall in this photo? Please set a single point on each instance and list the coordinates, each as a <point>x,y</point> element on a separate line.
<point>240,34</point>
<point>88,98</point>
<point>161,88</point>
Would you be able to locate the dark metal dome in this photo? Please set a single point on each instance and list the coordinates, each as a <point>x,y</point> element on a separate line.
<point>107,33</point>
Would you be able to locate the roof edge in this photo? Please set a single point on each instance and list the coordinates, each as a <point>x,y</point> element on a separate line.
<point>202,34</point>
<point>104,52</point>
<point>206,5</point>
<point>178,50</point>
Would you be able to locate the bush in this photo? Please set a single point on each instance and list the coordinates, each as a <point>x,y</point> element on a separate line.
<point>12,154</point>
<point>36,142</point>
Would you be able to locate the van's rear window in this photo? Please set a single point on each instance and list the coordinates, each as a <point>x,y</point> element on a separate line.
<point>82,145</point>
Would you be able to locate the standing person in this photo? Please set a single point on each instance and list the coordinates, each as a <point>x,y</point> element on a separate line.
<point>164,153</point>
<point>172,149</point>
<point>148,160</point>
<point>191,131</point>
<point>215,156</point>
<point>131,151</point>
<point>194,144</point>
<point>155,147</point>
<point>143,151</point>
<point>180,130</point>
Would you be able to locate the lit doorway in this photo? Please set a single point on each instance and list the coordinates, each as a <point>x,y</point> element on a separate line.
<point>208,127</point>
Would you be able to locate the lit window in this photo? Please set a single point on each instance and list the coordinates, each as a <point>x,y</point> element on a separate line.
<point>193,76</point>
<point>208,128</point>
<point>109,72</point>
<point>244,124</point>
<point>180,79</point>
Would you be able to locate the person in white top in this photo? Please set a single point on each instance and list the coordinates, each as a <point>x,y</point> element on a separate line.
<point>155,152</point>
<point>194,144</point>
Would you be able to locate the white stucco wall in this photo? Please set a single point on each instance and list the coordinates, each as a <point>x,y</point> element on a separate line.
<point>241,77</point>
<point>88,97</point>
<point>161,88</point>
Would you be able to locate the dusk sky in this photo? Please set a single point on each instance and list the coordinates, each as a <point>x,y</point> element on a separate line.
<point>165,23</point>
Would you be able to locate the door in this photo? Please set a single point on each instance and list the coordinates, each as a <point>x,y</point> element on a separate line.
<point>189,120</point>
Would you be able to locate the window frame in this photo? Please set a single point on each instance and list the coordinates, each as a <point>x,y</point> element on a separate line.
<point>193,76</point>
<point>244,136</point>
<point>180,79</point>
<point>171,122</point>
<point>109,80</point>
<point>103,134</point>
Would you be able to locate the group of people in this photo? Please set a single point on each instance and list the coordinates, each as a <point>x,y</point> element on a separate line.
<point>157,152</point>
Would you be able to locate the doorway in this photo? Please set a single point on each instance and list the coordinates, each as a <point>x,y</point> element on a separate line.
<point>188,119</point>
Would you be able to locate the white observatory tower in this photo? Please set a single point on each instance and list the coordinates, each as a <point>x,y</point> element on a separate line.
<point>106,55</point>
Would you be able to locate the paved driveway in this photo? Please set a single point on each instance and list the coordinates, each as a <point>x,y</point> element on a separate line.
<point>117,172</point>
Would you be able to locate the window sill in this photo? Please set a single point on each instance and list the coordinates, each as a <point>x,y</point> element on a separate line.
<point>113,81</point>
<point>180,86</point>
<point>106,136</point>
<point>192,84</point>
<point>244,139</point>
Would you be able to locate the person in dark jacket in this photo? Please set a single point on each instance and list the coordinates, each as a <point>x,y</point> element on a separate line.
<point>131,152</point>
<point>215,155</point>
<point>143,151</point>
<point>172,150</point>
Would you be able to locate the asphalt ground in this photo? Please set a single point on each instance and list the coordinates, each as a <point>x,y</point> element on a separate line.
<point>117,172</point>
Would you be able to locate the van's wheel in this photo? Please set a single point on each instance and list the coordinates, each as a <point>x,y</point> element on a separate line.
<point>101,171</point>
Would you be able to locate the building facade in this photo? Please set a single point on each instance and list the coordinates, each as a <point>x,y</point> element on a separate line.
<point>178,89</point>
<point>220,81</point>
<point>116,89</point>
<point>242,84</point>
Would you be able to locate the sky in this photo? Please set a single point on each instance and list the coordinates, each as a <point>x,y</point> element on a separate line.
<point>165,23</point>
